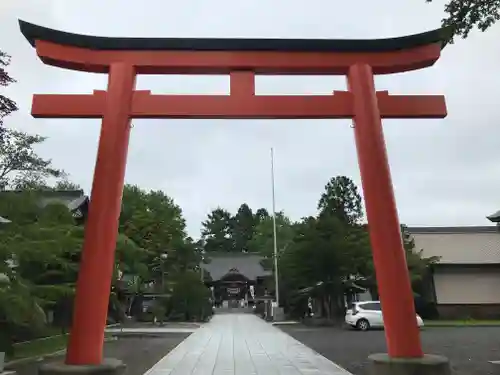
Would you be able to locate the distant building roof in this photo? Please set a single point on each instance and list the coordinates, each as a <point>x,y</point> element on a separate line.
<point>4,220</point>
<point>249,265</point>
<point>495,218</point>
<point>473,245</point>
<point>465,229</point>
<point>75,200</point>
<point>48,192</point>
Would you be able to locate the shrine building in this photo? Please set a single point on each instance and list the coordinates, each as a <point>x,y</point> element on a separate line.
<point>235,277</point>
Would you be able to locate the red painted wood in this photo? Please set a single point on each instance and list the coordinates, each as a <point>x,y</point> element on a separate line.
<point>337,106</point>
<point>200,62</point>
<point>121,103</point>
<point>396,295</point>
<point>242,83</point>
<point>101,229</point>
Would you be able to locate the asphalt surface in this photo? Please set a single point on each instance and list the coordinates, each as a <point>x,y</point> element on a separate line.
<point>468,348</point>
<point>139,353</point>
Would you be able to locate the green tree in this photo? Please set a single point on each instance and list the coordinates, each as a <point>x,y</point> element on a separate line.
<point>7,106</point>
<point>18,309</point>
<point>263,238</point>
<point>186,256</point>
<point>190,298</point>
<point>262,243</point>
<point>130,272</point>
<point>261,214</point>
<point>342,200</point>
<point>66,184</point>
<point>328,249</point>
<point>39,254</point>
<point>243,227</point>
<point>44,245</point>
<point>217,231</point>
<point>130,259</point>
<point>321,257</point>
<point>153,222</point>
<point>463,16</point>
<point>20,166</point>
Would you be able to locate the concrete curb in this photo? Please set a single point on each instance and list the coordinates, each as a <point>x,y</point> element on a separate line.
<point>40,358</point>
<point>174,325</point>
<point>483,325</point>
<point>285,323</point>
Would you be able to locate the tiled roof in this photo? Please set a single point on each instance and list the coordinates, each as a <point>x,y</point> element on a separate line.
<point>468,229</point>
<point>249,265</point>
<point>459,245</point>
<point>495,217</point>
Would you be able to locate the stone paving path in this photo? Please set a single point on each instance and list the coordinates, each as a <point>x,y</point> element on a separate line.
<point>243,344</point>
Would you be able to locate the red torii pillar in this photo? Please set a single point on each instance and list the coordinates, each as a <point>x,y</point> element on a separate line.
<point>123,58</point>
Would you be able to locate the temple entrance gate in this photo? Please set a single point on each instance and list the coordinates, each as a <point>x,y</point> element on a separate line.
<point>124,58</point>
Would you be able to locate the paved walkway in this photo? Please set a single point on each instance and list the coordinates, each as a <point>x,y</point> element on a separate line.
<point>243,344</point>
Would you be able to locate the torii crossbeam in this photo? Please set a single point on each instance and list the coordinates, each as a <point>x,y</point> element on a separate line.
<point>123,58</point>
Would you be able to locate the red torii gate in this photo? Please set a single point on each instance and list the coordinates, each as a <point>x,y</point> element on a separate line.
<point>123,58</point>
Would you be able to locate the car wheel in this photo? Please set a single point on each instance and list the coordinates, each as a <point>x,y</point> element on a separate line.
<point>363,325</point>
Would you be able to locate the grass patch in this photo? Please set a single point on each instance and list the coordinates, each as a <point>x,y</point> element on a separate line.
<point>41,347</point>
<point>462,323</point>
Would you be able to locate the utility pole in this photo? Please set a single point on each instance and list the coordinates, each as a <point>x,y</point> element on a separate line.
<point>275,241</point>
<point>202,270</point>
<point>163,259</point>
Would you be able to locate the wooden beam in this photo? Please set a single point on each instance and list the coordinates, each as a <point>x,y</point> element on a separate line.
<point>239,106</point>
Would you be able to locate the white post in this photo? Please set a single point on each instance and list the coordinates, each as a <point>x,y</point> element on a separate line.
<point>2,361</point>
<point>276,282</point>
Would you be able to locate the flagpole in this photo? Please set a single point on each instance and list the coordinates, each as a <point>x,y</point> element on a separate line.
<point>275,242</point>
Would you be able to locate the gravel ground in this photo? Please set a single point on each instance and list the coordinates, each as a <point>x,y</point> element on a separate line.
<point>468,348</point>
<point>139,353</point>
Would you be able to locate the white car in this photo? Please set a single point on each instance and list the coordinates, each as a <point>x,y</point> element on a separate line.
<point>367,314</point>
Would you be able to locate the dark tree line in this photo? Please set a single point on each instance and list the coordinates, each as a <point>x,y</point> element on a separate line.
<point>224,232</point>
<point>329,251</point>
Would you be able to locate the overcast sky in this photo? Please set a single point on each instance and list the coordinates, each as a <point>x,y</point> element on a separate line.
<point>445,172</point>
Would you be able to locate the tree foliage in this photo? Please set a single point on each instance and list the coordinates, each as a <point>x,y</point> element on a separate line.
<point>7,106</point>
<point>20,165</point>
<point>155,224</point>
<point>38,260</point>
<point>40,245</point>
<point>217,231</point>
<point>465,15</point>
<point>341,199</point>
<point>263,239</point>
<point>329,248</point>
<point>243,227</point>
<point>327,252</point>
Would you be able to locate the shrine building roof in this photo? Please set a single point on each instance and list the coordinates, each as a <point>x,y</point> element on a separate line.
<point>495,218</point>
<point>247,264</point>
<point>34,32</point>
<point>453,230</point>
